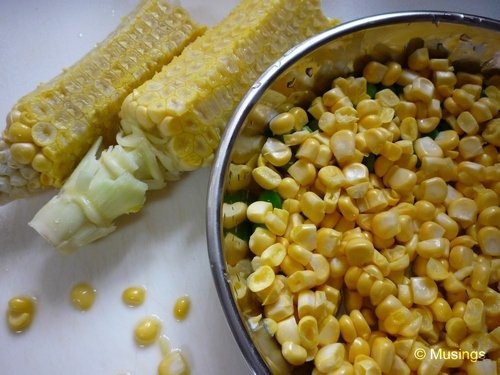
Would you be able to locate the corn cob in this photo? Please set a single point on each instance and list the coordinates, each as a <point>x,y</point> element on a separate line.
<point>50,130</point>
<point>172,123</point>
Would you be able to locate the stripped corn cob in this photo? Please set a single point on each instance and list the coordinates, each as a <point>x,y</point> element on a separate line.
<point>172,123</point>
<point>49,130</point>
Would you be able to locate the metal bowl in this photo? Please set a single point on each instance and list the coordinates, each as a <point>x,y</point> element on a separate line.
<point>471,42</point>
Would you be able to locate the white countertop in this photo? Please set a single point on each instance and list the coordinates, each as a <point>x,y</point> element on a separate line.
<point>162,248</point>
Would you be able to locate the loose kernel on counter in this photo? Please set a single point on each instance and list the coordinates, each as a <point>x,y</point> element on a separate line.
<point>147,331</point>
<point>181,307</point>
<point>82,296</point>
<point>20,313</point>
<point>134,296</point>
<point>390,215</point>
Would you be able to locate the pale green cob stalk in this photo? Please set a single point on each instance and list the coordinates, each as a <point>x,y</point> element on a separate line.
<point>173,122</point>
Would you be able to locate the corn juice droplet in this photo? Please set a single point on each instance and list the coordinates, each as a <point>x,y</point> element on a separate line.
<point>82,296</point>
<point>181,307</point>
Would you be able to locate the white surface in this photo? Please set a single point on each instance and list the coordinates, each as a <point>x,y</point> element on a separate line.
<point>162,248</point>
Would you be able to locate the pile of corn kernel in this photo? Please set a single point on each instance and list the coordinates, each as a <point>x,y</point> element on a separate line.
<point>372,223</point>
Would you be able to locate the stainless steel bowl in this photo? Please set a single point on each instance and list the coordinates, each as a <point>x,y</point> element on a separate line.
<point>473,44</point>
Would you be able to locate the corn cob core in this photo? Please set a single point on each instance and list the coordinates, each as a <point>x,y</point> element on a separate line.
<point>172,123</point>
<point>188,103</point>
<point>49,130</point>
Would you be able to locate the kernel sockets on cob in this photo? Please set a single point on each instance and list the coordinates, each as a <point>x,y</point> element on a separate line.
<point>50,129</point>
<point>172,123</point>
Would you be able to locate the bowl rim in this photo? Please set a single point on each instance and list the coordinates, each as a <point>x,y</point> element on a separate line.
<point>234,125</point>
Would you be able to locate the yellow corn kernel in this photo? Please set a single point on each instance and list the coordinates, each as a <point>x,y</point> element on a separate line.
<point>276,152</point>
<point>357,347</point>
<point>391,151</point>
<point>303,172</point>
<point>301,280</point>
<point>295,354</point>
<point>338,266</point>
<point>485,366</point>
<point>441,310</point>
<point>273,255</point>
<point>450,226</point>
<point>327,241</point>
<point>233,214</point>
<point>374,72</point>
<point>351,276</point>
<point>383,352</point>
<point>420,89</point>
<point>288,188</point>
<point>419,59</point>
<point>401,180</point>
<point>299,254</point>
<point>467,123</point>
<point>490,216</point>
<point>332,177</point>
<point>392,74</point>
<point>399,321</point>
<point>480,276</point>
<point>424,210</point>
<point>481,112</point>
<point>386,224</point>
<point>342,144</point>
<point>235,249</point>
<point>491,132</point>
<point>260,279</point>
<point>474,315</point>
<point>260,240</point>
<point>280,311</point>
<point>330,357</point>
<point>328,123</point>
<point>488,239</point>
<point>428,124</point>
<point>287,330</point>
<point>300,116</point>
<point>257,211</point>
<point>366,365</point>
<point>409,128</point>
<point>304,235</point>
<point>456,329</point>
<point>308,332</point>
<point>347,329</point>
<point>426,146</point>
<point>347,208</point>
<point>463,210</point>
<point>387,306</point>
<point>470,146</point>
<point>290,266</point>
<point>266,177</point>
<point>282,123</point>
<point>424,290</point>
<point>433,248</point>
<point>433,190</point>
<point>308,149</point>
<point>436,270</point>
<point>359,251</point>
<point>23,152</point>
<point>360,324</point>
<point>329,331</point>
<point>312,206</point>
<point>387,98</point>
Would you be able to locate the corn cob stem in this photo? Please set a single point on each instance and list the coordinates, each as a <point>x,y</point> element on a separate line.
<point>50,130</point>
<point>172,123</point>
